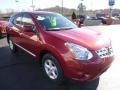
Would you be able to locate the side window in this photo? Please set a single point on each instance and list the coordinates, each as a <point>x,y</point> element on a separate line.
<point>27,20</point>
<point>17,20</point>
<point>44,20</point>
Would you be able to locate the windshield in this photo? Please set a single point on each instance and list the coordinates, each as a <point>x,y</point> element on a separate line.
<point>54,21</point>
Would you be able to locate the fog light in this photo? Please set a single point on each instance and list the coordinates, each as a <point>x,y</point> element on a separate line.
<point>85,77</point>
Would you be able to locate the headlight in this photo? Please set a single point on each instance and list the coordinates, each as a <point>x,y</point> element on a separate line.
<point>80,52</point>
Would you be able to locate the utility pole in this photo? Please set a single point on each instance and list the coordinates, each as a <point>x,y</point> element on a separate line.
<point>111,7</point>
<point>111,4</point>
<point>62,6</point>
<point>33,6</point>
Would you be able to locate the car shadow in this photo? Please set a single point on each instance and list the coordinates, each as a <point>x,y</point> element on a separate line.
<point>2,37</point>
<point>20,72</point>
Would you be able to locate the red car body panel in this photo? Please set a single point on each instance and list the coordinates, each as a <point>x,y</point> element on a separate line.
<point>3,25</point>
<point>79,37</point>
<point>54,43</point>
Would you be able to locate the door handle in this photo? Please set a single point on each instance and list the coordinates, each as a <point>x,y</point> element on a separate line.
<point>20,33</point>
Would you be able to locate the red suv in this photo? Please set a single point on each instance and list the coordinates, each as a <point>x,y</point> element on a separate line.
<point>63,49</point>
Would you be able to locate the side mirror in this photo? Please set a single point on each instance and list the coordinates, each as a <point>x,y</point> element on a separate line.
<point>28,28</point>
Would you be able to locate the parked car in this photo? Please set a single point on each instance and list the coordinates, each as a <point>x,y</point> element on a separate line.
<point>107,20</point>
<point>63,49</point>
<point>82,19</point>
<point>3,25</point>
<point>91,18</point>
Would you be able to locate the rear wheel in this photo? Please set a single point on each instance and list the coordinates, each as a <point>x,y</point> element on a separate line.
<point>12,47</point>
<point>0,34</point>
<point>52,68</point>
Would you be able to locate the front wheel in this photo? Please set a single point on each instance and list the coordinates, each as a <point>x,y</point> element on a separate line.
<point>52,68</point>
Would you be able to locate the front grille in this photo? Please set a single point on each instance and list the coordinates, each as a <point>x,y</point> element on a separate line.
<point>104,52</point>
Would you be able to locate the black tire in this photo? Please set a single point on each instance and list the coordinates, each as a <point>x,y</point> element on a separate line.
<point>0,35</point>
<point>12,47</point>
<point>57,69</point>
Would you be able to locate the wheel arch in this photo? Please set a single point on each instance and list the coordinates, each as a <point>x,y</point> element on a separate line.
<point>55,54</point>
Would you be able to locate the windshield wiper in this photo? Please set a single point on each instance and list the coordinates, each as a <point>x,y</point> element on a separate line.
<point>53,29</point>
<point>65,28</point>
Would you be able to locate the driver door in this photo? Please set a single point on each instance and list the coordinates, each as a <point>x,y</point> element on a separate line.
<point>29,38</point>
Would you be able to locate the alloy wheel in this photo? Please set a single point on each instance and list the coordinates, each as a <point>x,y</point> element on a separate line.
<point>51,69</point>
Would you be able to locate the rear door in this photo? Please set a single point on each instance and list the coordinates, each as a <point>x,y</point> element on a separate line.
<point>15,29</point>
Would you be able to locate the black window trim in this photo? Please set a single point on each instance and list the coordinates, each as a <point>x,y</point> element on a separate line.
<point>17,15</point>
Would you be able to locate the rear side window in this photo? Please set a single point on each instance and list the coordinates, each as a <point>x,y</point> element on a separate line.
<point>17,20</point>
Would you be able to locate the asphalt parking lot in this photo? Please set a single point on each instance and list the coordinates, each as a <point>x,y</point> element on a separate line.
<point>21,72</point>
<point>110,80</point>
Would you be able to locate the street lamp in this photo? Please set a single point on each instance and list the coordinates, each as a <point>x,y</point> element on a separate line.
<point>17,4</point>
<point>16,1</point>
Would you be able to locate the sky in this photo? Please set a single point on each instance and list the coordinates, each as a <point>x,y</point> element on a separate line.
<point>7,5</point>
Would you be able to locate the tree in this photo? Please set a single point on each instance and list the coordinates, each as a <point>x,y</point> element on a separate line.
<point>73,15</point>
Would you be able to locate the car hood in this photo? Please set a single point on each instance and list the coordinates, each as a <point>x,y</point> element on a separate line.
<point>83,36</point>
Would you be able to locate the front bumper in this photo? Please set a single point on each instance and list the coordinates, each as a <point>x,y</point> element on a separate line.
<point>86,71</point>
